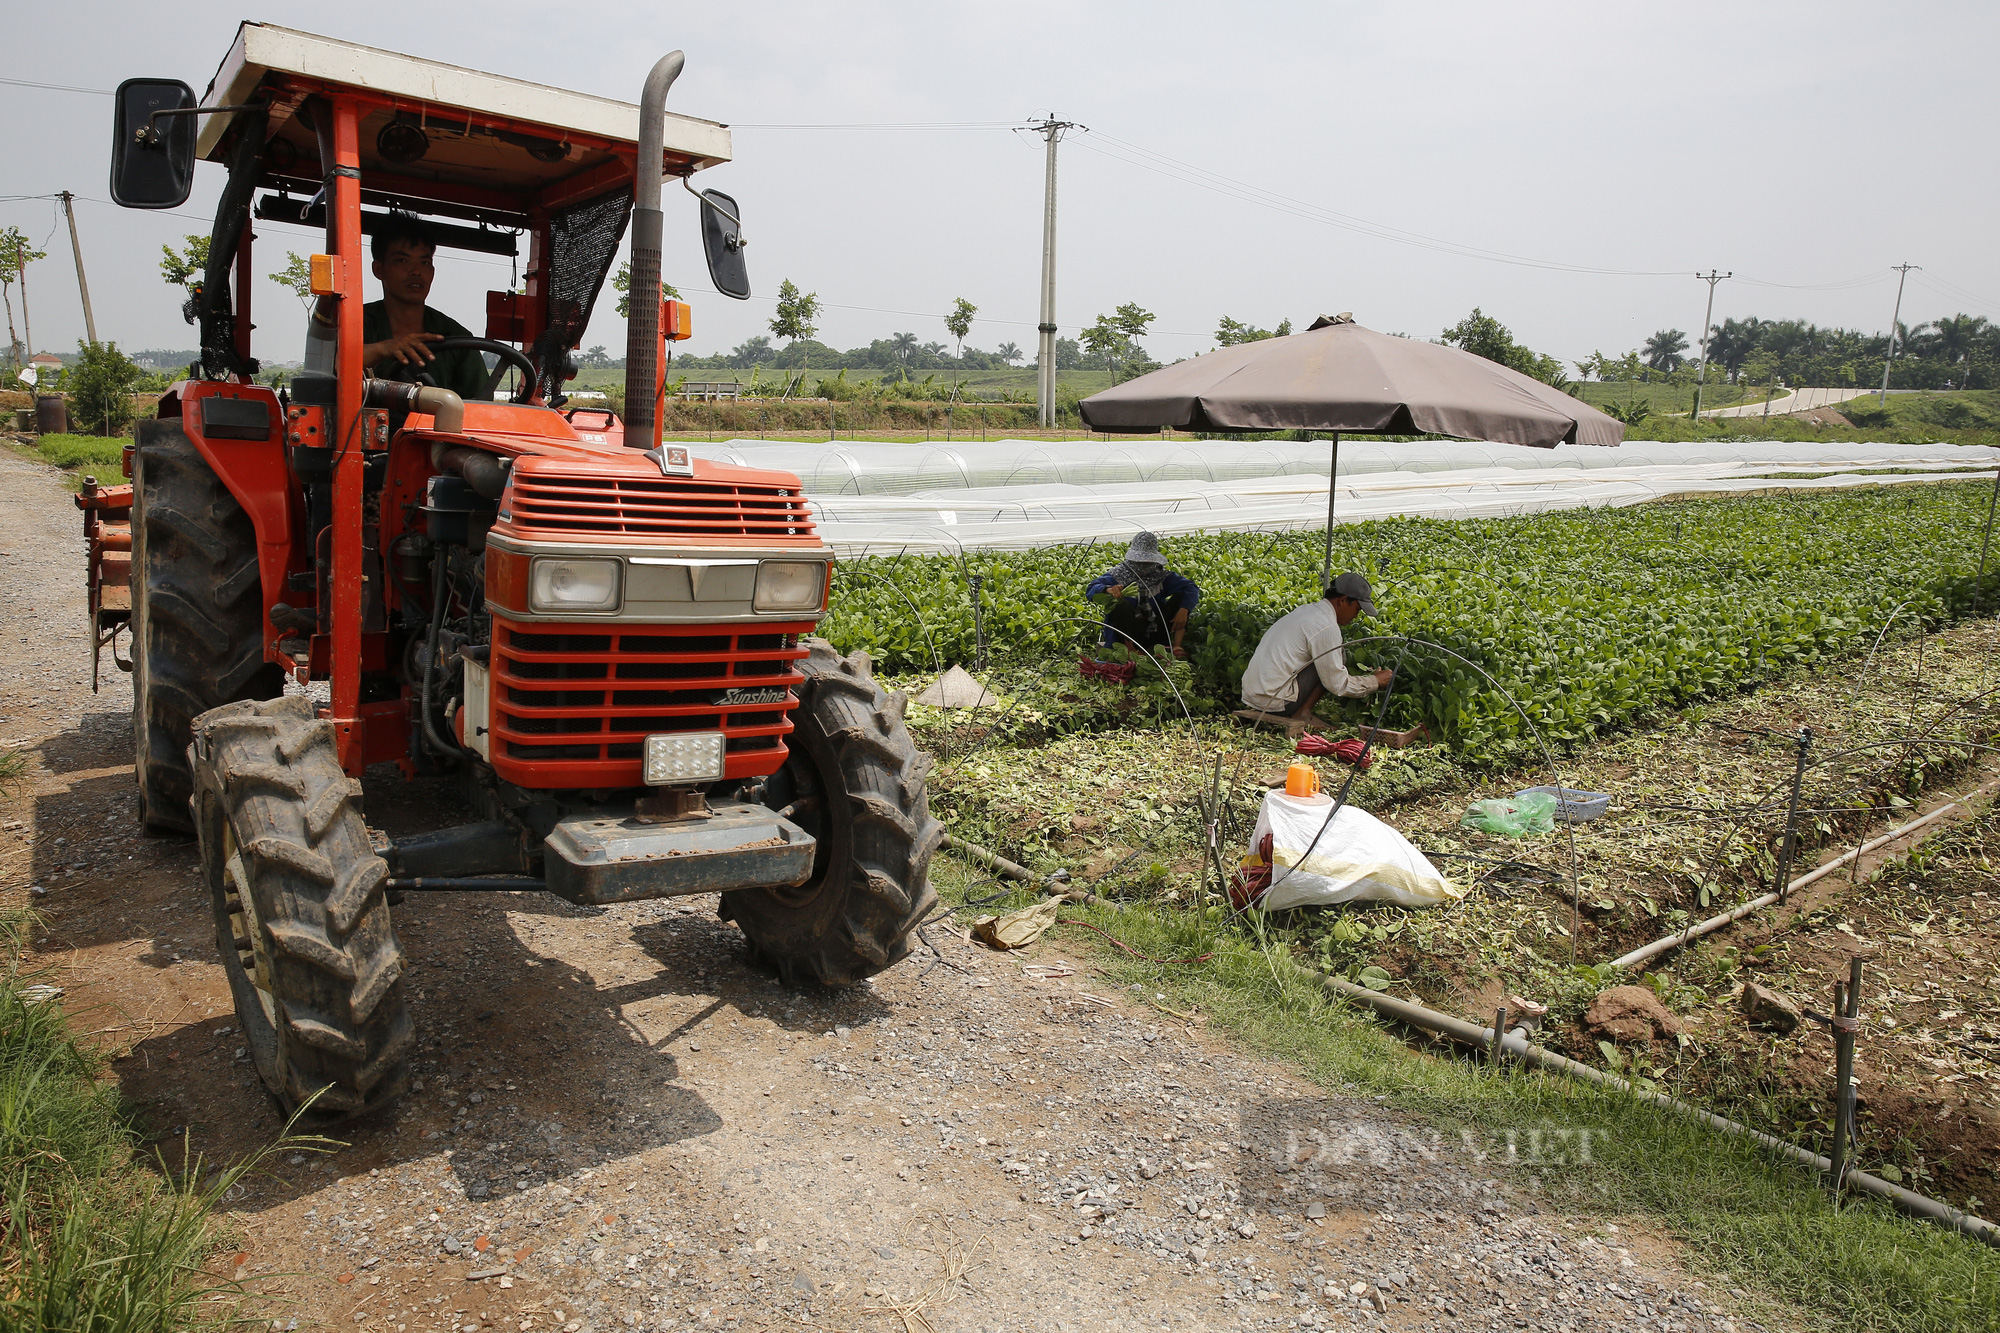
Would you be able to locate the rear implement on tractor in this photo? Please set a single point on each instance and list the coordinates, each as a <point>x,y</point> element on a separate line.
<point>608,641</point>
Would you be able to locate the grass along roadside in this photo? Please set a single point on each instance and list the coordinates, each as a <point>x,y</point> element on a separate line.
<point>89,1240</point>
<point>77,455</point>
<point>1767,1224</point>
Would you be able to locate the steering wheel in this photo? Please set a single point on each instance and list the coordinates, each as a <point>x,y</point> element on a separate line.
<point>509,355</point>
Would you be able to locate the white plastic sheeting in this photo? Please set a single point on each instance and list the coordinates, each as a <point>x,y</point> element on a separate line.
<point>1021,494</point>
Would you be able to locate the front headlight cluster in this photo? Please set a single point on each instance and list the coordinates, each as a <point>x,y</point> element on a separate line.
<point>790,585</point>
<point>566,584</point>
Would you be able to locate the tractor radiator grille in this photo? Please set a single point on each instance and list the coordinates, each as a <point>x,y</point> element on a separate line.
<point>666,507</point>
<point>572,705</point>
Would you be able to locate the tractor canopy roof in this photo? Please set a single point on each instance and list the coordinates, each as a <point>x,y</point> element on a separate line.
<point>475,145</point>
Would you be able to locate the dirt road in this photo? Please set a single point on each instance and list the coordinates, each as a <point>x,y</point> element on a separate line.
<point>618,1124</point>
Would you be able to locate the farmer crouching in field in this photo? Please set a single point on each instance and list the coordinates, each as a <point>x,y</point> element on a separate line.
<point>1300,658</point>
<point>1146,604</point>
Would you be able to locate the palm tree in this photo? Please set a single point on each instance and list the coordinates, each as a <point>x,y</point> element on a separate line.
<point>1956,337</point>
<point>1009,353</point>
<point>1663,349</point>
<point>1733,341</point>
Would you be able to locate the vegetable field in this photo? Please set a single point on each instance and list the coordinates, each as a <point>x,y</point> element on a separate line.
<point>1576,621</point>
<point>1671,655</point>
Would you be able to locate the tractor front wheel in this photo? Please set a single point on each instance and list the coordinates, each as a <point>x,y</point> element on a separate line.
<point>855,781</point>
<point>304,933</point>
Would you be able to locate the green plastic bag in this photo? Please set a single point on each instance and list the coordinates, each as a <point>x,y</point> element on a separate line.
<point>1513,816</point>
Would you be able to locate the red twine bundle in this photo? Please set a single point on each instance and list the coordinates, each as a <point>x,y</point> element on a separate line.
<point>1118,673</point>
<point>1349,751</point>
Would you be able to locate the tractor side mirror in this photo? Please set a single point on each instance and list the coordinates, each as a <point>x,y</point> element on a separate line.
<point>152,157</point>
<point>722,240</point>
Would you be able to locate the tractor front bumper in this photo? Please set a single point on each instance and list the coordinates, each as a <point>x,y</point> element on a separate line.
<point>609,856</point>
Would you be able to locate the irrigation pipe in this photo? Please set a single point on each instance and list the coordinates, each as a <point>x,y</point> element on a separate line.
<point>1715,862</point>
<point>1516,1043</point>
<point>1646,953</point>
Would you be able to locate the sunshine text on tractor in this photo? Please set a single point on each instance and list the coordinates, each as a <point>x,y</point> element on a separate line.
<point>606,640</point>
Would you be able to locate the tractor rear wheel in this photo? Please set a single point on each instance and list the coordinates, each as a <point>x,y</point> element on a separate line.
<point>197,613</point>
<point>855,781</point>
<point>312,961</point>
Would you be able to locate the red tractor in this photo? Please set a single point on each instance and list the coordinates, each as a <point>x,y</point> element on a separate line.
<point>607,640</point>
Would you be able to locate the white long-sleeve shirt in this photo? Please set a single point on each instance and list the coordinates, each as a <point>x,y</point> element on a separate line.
<point>1309,634</point>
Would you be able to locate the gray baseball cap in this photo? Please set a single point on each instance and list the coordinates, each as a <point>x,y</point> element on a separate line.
<point>1355,586</point>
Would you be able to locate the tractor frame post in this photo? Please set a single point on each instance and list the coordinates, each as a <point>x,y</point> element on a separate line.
<point>343,224</point>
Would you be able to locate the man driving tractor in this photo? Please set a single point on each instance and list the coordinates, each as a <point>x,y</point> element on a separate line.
<point>398,327</point>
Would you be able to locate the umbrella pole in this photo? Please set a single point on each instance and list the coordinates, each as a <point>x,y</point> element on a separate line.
<point>1332,479</point>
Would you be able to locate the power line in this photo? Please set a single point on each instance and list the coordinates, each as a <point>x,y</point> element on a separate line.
<point>1189,173</point>
<point>1844,284</point>
<point>58,87</point>
<point>1939,285</point>
<point>1146,159</point>
<point>884,125</point>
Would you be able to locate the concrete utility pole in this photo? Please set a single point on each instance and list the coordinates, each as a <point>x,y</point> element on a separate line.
<point>1895,321</point>
<point>27,329</point>
<point>1701,371</point>
<point>76,248</point>
<point>1051,131</point>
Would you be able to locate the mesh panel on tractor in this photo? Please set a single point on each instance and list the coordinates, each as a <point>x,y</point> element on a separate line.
<point>583,238</point>
<point>572,705</point>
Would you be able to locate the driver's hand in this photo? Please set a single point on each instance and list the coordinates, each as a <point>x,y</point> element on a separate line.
<point>407,348</point>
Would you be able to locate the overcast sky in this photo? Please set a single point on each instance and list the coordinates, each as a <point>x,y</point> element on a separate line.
<point>1806,144</point>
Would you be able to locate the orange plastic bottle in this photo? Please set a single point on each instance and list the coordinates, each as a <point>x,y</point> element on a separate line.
<point>1301,780</point>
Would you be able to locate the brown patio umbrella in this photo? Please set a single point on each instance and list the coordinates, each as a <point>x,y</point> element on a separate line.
<point>1338,376</point>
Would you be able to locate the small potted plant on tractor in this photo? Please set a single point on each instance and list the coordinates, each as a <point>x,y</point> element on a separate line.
<point>609,641</point>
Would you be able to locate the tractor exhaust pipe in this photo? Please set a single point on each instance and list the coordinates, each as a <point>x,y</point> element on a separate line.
<point>447,409</point>
<point>642,328</point>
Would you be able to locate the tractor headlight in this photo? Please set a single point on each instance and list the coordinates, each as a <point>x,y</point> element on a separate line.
<point>680,758</point>
<point>564,584</point>
<point>791,585</point>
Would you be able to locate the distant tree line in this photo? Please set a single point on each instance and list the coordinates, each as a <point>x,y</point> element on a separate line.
<point>900,352</point>
<point>1958,352</point>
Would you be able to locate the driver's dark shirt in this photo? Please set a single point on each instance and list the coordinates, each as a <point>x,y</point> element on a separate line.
<point>461,369</point>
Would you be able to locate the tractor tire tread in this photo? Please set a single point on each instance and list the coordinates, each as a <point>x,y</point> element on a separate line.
<point>341,1035</point>
<point>197,613</point>
<point>884,891</point>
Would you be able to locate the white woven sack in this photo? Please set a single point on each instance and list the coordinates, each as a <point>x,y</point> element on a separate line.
<point>1357,858</point>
